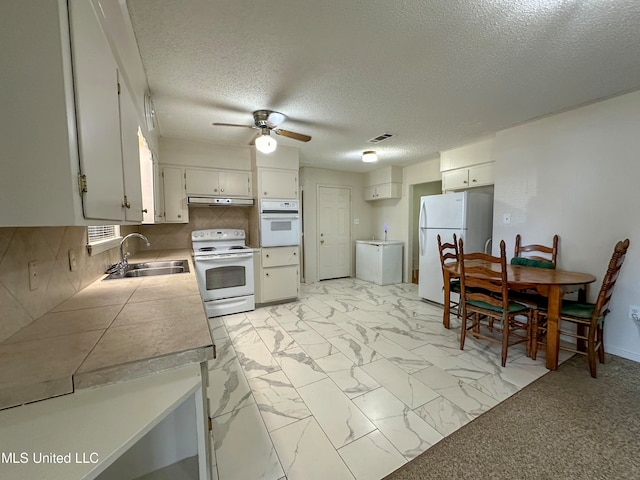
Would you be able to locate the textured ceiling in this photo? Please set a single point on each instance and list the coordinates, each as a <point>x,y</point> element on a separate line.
<point>436,73</point>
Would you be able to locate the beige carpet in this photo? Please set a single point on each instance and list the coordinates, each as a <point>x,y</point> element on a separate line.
<point>565,425</point>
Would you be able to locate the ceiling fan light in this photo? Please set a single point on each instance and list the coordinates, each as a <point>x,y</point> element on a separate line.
<point>369,156</point>
<point>266,144</point>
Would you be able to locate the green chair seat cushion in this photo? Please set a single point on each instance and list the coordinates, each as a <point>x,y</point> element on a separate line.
<point>454,286</point>
<point>529,262</point>
<point>577,309</point>
<point>513,306</point>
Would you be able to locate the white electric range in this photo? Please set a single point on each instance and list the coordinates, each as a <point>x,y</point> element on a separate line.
<point>224,269</point>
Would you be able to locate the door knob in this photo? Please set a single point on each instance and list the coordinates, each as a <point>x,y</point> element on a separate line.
<point>321,242</point>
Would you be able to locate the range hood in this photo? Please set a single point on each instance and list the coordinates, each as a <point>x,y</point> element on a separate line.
<point>213,201</point>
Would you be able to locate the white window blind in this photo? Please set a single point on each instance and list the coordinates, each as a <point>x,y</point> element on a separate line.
<point>102,237</point>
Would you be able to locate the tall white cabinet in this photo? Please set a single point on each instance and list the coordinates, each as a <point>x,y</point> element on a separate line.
<point>275,176</point>
<point>68,124</point>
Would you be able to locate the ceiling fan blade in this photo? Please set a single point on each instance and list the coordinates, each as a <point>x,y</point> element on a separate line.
<point>232,125</point>
<point>296,136</point>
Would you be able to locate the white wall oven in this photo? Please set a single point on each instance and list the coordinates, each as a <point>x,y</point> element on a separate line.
<point>279,223</point>
<point>224,269</point>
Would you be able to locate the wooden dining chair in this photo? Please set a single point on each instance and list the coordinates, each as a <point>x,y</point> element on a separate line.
<point>588,317</point>
<point>535,255</point>
<point>484,297</point>
<point>538,256</point>
<point>449,254</point>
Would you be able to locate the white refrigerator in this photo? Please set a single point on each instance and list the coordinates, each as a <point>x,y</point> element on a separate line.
<point>467,214</point>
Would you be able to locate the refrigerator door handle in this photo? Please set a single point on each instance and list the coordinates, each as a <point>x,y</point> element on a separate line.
<point>422,234</point>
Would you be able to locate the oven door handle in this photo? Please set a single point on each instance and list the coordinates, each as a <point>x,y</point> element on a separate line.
<point>224,257</point>
<point>278,216</point>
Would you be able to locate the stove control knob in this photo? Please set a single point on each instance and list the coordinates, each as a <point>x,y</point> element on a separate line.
<point>235,233</point>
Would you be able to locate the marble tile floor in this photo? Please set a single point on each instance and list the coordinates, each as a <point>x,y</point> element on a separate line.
<point>349,382</point>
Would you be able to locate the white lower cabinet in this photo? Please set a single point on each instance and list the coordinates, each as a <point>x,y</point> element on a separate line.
<point>279,274</point>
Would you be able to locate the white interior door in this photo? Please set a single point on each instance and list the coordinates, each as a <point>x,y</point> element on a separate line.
<point>334,232</point>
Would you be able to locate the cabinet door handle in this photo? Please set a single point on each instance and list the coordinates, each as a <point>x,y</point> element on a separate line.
<point>144,210</point>
<point>267,255</point>
<point>465,181</point>
<point>294,254</point>
<point>266,274</point>
<point>222,190</point>
<point>179,216</point>
<point>474,180</point>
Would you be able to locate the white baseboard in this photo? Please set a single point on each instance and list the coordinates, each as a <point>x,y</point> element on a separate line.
<point>622,353</point>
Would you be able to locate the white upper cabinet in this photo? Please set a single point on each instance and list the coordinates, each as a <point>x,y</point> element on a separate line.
<point>462,178</point>
<point>67,123</point>
<point>131,161</point>
<point>175,195</point>
<point>206,181</point>
<point>385,182</point>
<point>278,183</point>
<point>468,166</point>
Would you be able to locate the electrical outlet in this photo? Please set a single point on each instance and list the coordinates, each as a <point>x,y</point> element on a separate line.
<point>356,221</point>
<point>34,279</point>
<point>634,313</point>
<point>73,262</point>
<point>506,218</point>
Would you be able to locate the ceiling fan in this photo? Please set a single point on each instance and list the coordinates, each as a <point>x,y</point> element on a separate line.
<point>266,121</point>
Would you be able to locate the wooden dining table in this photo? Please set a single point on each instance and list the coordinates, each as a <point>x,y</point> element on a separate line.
<point>547,282</point>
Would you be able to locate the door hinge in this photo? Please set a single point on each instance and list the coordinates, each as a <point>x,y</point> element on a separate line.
<point>210,423</point>
<point>82,183</point>
<point>118,88</point>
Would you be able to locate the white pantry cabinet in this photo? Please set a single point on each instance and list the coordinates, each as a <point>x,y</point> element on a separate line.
<point>67,121</point>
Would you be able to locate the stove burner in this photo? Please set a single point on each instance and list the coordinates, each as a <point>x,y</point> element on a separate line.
<point>237,247</point>
<point>206,249</point>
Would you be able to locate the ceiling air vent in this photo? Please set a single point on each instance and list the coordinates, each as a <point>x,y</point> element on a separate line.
<point>380,138</point>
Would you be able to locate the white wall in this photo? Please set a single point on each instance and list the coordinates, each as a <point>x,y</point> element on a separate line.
<point>576,174</point>
<point>310,178</point>
<point>201,154</point>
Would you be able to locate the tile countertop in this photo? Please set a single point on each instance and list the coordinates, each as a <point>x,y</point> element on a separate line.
<point>111,331</point>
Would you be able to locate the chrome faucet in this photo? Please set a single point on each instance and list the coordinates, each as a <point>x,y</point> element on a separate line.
<point>123,256</point>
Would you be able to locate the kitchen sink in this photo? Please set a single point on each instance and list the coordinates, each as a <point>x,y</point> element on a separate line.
<point>151,269</point>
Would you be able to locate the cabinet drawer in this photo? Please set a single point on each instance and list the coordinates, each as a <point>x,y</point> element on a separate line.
<point>277,256</point>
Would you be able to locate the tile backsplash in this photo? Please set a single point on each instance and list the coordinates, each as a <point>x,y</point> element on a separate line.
<point>49,247</point>
<point>178,235</point>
